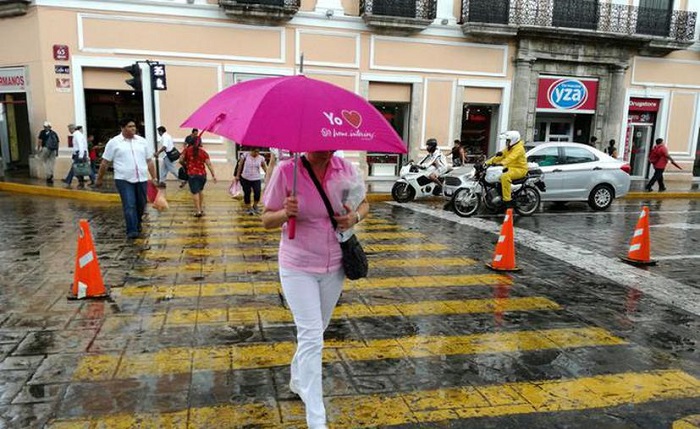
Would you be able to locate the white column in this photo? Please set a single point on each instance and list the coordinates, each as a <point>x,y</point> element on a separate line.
<point>445,11</point>
<point>329,8</point>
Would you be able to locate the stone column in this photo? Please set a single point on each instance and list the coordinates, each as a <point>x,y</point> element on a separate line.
<point>520,104</point>
<point>445,12</point>
<point>416,125</point>
<point>613,119</point>
<point>329,8</point>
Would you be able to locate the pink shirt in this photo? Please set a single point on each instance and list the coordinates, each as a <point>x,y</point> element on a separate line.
<point>315,249</point>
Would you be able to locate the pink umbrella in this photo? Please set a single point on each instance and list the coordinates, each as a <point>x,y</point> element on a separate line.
<point>298,114</point>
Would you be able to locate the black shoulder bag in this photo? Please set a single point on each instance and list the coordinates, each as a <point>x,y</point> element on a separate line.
<point>355,262</point>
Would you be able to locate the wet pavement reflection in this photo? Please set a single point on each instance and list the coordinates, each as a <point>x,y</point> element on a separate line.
<point>196,333</point>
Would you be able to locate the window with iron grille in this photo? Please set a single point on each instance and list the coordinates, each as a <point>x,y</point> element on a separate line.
<point>489,11</point>
<point>654,17</point>
<point>575,14</point>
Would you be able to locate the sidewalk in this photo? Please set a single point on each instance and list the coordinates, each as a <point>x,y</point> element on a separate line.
<point>376,191</point>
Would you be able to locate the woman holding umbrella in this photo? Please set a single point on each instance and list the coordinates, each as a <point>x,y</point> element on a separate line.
<point>310,265</point>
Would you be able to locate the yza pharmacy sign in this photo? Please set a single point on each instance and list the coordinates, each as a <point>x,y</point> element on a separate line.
<point>567,94</point>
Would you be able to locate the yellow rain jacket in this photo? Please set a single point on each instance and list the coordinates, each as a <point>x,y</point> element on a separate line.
<point>515,160</point>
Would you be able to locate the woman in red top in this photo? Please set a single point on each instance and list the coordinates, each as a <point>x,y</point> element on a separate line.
<point>194,159</point>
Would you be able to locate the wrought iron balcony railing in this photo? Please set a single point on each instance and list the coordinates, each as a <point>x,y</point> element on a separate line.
<point>416,9</point>
<point>595,15</point>
<point>261,11</point>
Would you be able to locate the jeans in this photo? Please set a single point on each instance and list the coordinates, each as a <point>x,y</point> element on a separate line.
<point>167,166</point>
<point>658,176</point>
<point>312,298</point>
<point>133,196</point>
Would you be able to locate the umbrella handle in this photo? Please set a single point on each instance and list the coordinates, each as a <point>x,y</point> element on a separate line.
<point>292,227</point>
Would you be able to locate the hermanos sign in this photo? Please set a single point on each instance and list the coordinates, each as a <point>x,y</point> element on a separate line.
<point>13,80</point>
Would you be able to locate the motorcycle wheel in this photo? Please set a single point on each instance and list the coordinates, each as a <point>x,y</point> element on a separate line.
<point>465,202</point>
<point>527,201</point>
<point>402,192</point>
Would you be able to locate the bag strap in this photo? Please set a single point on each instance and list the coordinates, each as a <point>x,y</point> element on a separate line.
<point>307,165</point>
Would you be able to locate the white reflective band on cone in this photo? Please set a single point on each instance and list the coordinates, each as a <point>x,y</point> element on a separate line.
<point>85,259</point>
<point>498,258</point>
<point>635,247</point>
<point>82,290</point>
<point>501,238</point>
<point>638,232</point>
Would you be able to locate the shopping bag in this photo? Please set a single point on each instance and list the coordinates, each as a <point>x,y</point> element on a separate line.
<point>235,189</point>
<point>160,203</point>
<point>151,191</point>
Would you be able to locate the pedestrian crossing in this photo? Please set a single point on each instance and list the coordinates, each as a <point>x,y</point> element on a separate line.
<point>242,383</point>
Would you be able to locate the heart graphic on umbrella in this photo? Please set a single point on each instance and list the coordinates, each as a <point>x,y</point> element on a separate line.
<point>352,117</point>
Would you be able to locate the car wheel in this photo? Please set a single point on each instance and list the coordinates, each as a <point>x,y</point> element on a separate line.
<point>465,202</point>
<point>601,197</point>
<point>402,192</point>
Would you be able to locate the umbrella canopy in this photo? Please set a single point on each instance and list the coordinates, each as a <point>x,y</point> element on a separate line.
<point>298,114</point>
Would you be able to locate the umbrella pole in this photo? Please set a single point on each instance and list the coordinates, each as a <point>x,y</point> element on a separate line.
<point>292,222</point>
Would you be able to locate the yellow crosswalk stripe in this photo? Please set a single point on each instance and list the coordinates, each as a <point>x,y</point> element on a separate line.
<point>422,407</point>
<point>265,314</point>
<point>273,287</point>
<point>250,267</point>
<point>206,240</point>
<point>690,422</point>
<point>158,254</point>
<point>212,218</point>
<point>174,230</point>
<point>224,358</point>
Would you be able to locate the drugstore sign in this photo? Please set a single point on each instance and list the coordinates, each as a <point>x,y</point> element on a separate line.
<point>567,94</point>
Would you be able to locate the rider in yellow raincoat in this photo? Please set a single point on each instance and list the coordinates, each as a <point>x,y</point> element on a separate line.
<point>513,160</point>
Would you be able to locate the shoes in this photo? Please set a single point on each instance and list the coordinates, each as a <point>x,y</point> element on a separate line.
<point>647,189</point>
<point>256,210</point>
<point>49,181</point>
<point>198,214</point>
<point>81,186</point>
<point>250,212</point>
<point>662,190</point>
<point>182,185</point>
<point>132,235</point>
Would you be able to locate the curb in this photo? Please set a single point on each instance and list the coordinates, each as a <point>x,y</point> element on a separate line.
<point>661,195</point>
<point>59,192</point>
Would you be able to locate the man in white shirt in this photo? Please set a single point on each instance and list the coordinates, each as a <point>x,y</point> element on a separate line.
<point>132,160</point>
<point>80,155</point>
<point>166,145</point>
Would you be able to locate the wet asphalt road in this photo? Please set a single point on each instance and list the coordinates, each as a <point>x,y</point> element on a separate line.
<point>196,334</point>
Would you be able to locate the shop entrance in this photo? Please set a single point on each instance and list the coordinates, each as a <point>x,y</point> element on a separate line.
<point>388,164</point>
<point>16,139</point>
<point>478,130</point>
<point>639,151</point>
<point>105,108</point>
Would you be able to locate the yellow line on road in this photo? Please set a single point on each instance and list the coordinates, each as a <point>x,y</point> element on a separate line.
<point>249,253</point>
<point>153,240</point>
<point>690,422</point>
<point>273,287</point>
<point>175,230</point>
<point>266,314</point>
<point>422,407</point>
<point>252,267</point>
<point>224,358</point>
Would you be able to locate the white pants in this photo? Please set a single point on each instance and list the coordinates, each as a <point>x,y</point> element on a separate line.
<point>312,298</point>
<point>167,166</point>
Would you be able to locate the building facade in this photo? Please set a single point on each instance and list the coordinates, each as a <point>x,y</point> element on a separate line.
<point>627,70</point>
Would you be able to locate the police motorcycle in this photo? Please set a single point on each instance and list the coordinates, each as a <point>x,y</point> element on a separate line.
<point>415,182</point>
<point>482,186</point>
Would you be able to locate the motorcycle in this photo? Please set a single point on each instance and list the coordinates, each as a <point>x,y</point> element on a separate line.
<point>483,187</point>
<point>414,183</point>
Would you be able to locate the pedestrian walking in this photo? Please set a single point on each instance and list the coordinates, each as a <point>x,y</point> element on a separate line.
<point>310,266</point>
<point>611,149</point>
<point>132,160</point>
<point>594,142</point>
<point>47,148</point>
<point>167,165</point>
<point>276,156</point>
<point>80,156</point>
<point>659,158</point>
<point>248,174</point>
<point>192,138</point>
<point>194,159</point>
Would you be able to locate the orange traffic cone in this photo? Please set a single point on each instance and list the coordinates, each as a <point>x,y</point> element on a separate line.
<point>504,256</point>
<point>640,246</point>
<point>87,282</point>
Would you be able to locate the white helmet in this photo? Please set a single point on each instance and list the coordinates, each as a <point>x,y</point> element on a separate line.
<point>513,136</point>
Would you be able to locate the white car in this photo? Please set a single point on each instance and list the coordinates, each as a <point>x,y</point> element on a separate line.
<point>577,172</point>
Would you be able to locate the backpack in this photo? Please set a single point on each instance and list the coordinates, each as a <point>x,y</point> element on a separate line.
<point>52,141</point>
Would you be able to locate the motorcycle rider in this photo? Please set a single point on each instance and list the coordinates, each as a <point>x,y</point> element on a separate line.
<point>436,159</point>
<point>514,163</point>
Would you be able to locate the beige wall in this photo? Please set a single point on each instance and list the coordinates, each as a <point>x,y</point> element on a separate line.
<point>389,92</point>
<point>438,110</point>
<point>681,120</point>
<point>336,48</point>
<point>482,95</point>
<point>667,72</point>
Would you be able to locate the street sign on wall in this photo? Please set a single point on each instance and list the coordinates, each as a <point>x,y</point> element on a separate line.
<point>158,77</point>
<point>61,52</point>
<point>563,94</point>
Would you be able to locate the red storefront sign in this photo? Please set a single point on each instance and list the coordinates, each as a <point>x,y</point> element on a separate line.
<point>61,52</point>
<point>12,79</point>
<point>563,94</point>
<point>644,104</point>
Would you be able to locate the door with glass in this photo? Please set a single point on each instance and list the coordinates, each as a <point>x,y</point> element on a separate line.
<point>639,153</point>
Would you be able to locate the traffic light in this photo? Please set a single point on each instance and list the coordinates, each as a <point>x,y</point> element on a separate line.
<point>135,71</point>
